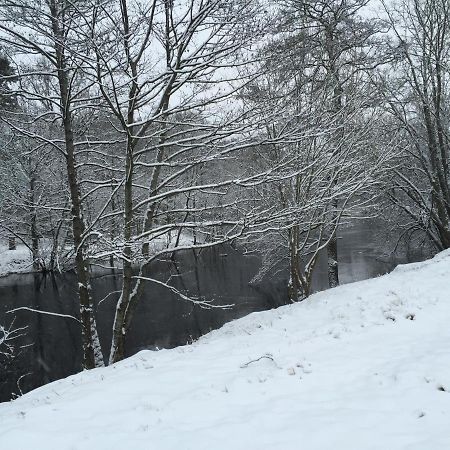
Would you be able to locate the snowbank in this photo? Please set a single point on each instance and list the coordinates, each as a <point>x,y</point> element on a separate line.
<point>361,367</point>
<point>15,261</point>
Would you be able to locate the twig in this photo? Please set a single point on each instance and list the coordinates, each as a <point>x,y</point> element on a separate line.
<point>267,356</point>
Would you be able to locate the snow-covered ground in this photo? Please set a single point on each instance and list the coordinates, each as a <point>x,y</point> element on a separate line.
<point>15,261</point>
<point>365,366</point>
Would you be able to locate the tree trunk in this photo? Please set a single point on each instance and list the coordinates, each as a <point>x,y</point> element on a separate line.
<point>91,348</point>
<point>333,266</point>
<point>92,355</point>
<point>332,250</point>
<point>117,351</point>
<point>37,264</point>
<point>293,284</point>
<point>131,294</point>
<point>12,243</point>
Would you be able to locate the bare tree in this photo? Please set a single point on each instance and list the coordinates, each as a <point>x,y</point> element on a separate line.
<point>33,196</point>
<point>416,94</point>
<point>307,177</point>
<point>317,63</point>
<point>49,31</point>
<point>167,74</point>
<point>340,44</point>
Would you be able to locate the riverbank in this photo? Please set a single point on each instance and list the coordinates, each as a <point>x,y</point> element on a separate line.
<point>15,261</point>
<point>21,260</point>
<point>362,366</point>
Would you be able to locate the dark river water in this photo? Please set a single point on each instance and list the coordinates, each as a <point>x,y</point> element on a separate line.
<point>50,347</point>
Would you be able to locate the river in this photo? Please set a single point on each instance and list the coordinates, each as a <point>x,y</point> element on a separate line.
<point>50,347</point>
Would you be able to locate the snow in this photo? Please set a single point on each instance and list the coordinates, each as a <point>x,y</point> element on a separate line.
<point>15,261</point>
<point>362,366</point>
<point>20,260</point>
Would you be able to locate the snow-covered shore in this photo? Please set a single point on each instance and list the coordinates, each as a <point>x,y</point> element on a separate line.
<point>15,261</point>
<point>21,260</point>
<point>361,367</point>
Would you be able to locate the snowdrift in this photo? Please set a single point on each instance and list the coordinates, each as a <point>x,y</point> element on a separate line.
<point>360,367</point>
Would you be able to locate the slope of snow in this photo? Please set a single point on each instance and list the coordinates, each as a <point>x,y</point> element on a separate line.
<point>365,366</point>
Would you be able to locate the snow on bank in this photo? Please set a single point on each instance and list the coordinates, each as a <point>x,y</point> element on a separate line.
<point>361,367</point>
<point>15,261</point>
<point>21,260</point>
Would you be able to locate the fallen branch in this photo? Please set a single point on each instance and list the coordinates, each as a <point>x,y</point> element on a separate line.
<point>25,308</point>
